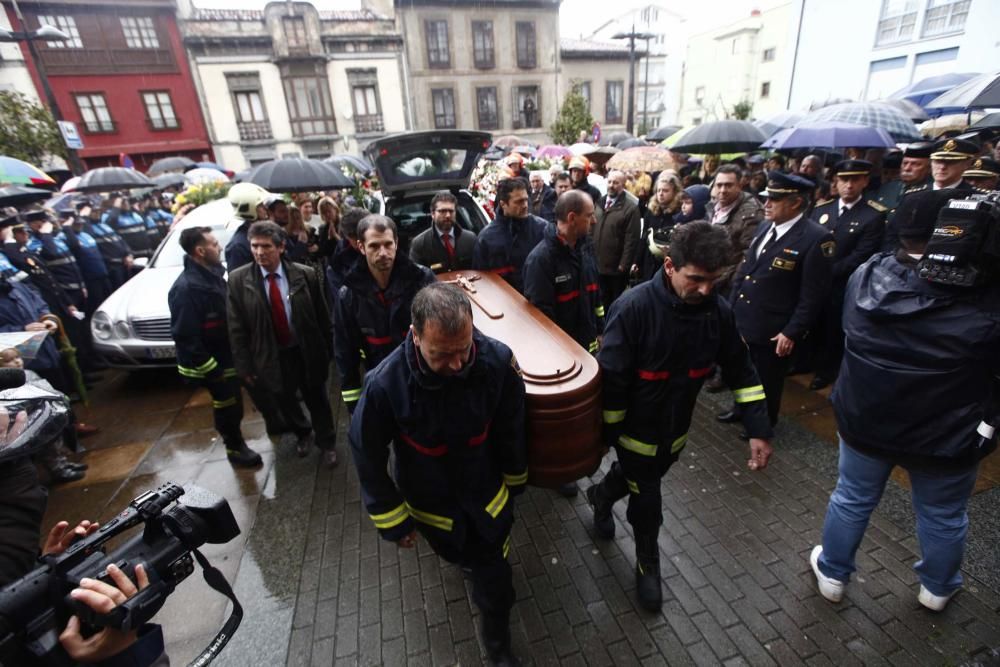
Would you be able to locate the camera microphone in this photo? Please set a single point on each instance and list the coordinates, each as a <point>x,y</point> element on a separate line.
<point>11,378</point>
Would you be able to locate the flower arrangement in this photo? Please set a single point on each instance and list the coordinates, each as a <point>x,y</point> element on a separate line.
<point>200,193</point>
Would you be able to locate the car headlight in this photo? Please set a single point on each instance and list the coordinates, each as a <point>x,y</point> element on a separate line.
<point>122,329</point>
<point>101,325</point>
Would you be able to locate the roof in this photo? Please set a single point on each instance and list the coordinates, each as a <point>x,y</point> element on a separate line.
<point>586,48</point>
<point>202,14</point>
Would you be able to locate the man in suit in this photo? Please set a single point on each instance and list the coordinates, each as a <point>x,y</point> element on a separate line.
<point>542,197</point>
<point>857,224</point>
<point>445,246</point>
<point>281,337</point>
<point>781,285</point>
<point>615,236</point>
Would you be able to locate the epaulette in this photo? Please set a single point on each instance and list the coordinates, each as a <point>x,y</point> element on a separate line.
<point>824,202</point>
<point>877,206</point>
<point>914,188</point>
<point>982,191</point>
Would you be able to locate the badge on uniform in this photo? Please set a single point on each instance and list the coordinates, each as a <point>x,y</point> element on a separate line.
<point>823,218</point>
<point>828,248</point>
<point>516,366</point>
<point>563,278</point>
<point>786,264</point>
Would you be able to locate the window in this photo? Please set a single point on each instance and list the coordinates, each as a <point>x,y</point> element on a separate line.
<point>613,101</point>
<point>527,108</point>
<point>139,31</point>
<point>525,44</point>
<point>765,89</point>
<point>583,87</point>
<point>68,25</point>
<point>309,105</point>
<point>251,115</point>
<point>249,106</point>
<point>945,16</point>
<point>897,22</point>
<point>699,94</point>
<point>443,100</point>
<point>94,113</point>
<point>159,111</point>
<point>768,55</point>
<point>438,55</point>
<point>364,97</point>
<point>486,108</point>
<point>482,44</point>
<point>295,32</point>
<point>886,76</point>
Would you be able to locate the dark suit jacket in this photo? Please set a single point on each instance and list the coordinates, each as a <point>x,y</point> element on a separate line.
<point>858,234</point>
<point>426,248</point>
<point>543,204</point>
<point>615,235</point>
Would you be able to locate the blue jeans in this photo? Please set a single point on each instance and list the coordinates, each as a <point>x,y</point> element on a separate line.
<point>939,501</point>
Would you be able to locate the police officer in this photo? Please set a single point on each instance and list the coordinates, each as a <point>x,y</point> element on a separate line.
<point>248,205</point>
<point>504,244</point>
<point>661,341</point>
<point>16,250</point>
<point>914,176</point>
<point>198,326</point>
<point>449,402</point>
<point>373,305</point>
<point>115,252</point>
<point>949,160</point>
<point>857,224</point>
<point>984,173</point>
<point>130,226</point>
<point>781,285</point>
<point>89,259</point>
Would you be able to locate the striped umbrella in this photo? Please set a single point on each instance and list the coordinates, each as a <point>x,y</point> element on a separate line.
<point>872,114</point>
<point>18,172</point>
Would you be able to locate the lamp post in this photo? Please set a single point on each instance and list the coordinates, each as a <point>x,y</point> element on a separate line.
<point>51,34</point>
<point>631,36</point>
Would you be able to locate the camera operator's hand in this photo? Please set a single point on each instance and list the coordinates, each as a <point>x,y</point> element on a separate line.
<point>102,598</point>
<point>60,538</point>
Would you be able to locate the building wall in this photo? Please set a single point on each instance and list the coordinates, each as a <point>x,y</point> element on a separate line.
<point>14,74</point>
<point>867,71</point>
<point>598,72</point>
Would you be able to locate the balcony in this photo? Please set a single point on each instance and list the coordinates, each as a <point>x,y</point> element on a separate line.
<point>254,130</point>
<point>161,124</point>
<point>371,123</point>
<point>100,127</point>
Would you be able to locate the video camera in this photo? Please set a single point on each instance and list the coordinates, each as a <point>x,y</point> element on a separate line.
<point>964,249</point>
<point>35,609</point>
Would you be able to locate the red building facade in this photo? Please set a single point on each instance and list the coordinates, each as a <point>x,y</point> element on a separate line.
<point>122,77</point>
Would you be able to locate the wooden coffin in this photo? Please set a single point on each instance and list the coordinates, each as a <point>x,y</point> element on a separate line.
<point>562,380</point>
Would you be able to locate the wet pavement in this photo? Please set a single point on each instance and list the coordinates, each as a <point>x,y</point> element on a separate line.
<point>319,587</point>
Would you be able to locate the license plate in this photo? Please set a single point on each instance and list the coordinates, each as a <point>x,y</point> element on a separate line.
<point>166,352</point>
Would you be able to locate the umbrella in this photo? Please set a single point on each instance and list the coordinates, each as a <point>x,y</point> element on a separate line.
<point>171,180</point>
<point>829,102</point>
<point>553,151</point>
<point>62,202</point>
<point>17,172</point>
<point>830,134</point>
<point>204,175</point>
<point>352,162</point>
<point>19,195</point>
<point>954,122</point>
<point>924,91</point>
<point>977,93</point>
<point>208,165</point>
<point>602,154</point>
<point>778,121</point>
<point>525,150</point>
<point>642,158</point>
<point>175,163</point>
<point>872,114</point>
<point>106,179</point>
<point>615,138</point>
<point>298,175</point>
<point>241,176</point>
<point>661,133</point>
<point>630,143</point>
<point>990,121</point>
<point>508,141</point>
<point>581,148</point>
<point>912,110</point>
<point>721,136</point>
<point>70,185</point>
<point>676,136</point>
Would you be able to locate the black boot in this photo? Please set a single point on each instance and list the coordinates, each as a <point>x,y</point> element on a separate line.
<point>240,454</point>
<point>604,523</point>
<point>647,571</point>
<point>496,639</point>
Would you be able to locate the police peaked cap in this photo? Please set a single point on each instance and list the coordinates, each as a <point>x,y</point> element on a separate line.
<point>955,149</point>
<point>37,215</point>
<point>983,167</point>
<point>781,184</point>
<point>853,168</point>
<point>922,149</point>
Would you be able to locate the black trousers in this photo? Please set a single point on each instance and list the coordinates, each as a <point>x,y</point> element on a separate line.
<point>772,370</point>
<point>830,348</point>
<point>117,275</point>
<point>227,409</point>
<point>638,476</point>
<point>612,287</point>
<point>22,506</point>
<point>317,400</point>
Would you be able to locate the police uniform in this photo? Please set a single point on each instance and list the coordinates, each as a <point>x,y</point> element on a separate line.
<point>53,249</point>
<point>460,457</point>
<point>919,149</point>
<point>38,274</point>
<point>197,302</point>
<point>562,283</point>
<point>780,287</point>
<point>857,229</point>
<point>114,250</point>
<point>504,244</point>
<point>92,267</point>
<point>369,323</point>
<point>656,353</point>
<point>951,150</point>
<point>983,168</point>
<point>131,227</point>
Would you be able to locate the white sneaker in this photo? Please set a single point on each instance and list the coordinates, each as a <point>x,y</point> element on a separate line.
<point>831,589</point>
<point>934,602</point>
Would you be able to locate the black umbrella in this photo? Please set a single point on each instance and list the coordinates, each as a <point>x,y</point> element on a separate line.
<point>353,162</point>
<point>980,92</point>
<point>630,143</point>
<point>19,195</point>
<point>661,133</point>
<point>990,121</point>
<point>615,138</point>
<point>106,179</point>
<point>171,180</point>
<point>175,163</point>
<point>721,136</point>
<point>298,175</point>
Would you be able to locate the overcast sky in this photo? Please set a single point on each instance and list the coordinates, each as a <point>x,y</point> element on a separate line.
<point>580,17</point>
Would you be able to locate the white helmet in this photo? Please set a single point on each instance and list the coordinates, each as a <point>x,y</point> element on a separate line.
<point>245,198</point>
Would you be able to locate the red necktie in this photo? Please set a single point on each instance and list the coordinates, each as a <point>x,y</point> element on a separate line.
<point>278,316</point>
<point>448,248</point>
<point>609,203</point>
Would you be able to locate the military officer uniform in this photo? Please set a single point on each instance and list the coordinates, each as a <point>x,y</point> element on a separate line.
<point>984,174</point>
<point>780,287</point>
<point>890,191</point>
<point>857,229</point>
<point>890,239</point>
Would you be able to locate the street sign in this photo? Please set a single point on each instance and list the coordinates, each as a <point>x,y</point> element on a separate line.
<point>70,135</point>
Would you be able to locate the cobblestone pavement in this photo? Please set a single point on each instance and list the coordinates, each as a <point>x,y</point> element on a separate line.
<point>319,587</point>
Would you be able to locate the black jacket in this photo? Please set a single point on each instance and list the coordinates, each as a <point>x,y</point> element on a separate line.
<point>198,325</point>
<point>543,203</point>
<point>594,193</point>
<point>504,244</point>
<point>858,233</point>
<point>562,283</point>
<point>920,366</point>
<point>459,444</point>
<point>343,259</point>
<point>238,251</point>
<point>113,249</point>
<point>369,323</point>
<point>784,290</point>
<point>428,250</point>
<point>656,353</point>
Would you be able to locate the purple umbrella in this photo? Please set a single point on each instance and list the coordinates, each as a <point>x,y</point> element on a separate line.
<point>830,134</point>
<point>553,151</point>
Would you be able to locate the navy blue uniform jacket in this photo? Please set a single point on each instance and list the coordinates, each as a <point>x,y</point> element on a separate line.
<point>504,244</point>
<point>198,325</point>
<point>858,233</point>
